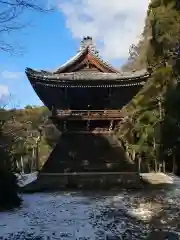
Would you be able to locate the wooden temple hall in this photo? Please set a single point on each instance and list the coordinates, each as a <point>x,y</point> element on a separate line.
<point>85,96</point>
<point>86,93</point>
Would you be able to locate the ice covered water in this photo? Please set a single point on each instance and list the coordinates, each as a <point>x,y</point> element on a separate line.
<point>90,215</point>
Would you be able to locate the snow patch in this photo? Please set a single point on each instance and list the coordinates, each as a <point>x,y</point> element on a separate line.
<point>25,179</point>
<point>157,178</point>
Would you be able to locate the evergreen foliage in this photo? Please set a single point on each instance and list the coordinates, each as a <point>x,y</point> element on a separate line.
<point>159,99</point>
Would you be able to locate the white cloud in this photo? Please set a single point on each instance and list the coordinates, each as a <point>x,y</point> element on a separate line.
<point>116,23</point>
<point>11,75</point>
<point>4,91</point>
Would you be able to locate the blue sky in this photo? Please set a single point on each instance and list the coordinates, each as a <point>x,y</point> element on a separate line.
<point>46,45</point>
<point>50,40</point>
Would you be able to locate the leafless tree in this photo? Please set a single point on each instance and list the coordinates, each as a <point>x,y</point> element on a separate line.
<point>10,18</point>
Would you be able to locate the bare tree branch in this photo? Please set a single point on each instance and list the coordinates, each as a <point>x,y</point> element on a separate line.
<point>10,18</point>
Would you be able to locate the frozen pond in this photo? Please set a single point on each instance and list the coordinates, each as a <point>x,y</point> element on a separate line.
<point>72,215</point>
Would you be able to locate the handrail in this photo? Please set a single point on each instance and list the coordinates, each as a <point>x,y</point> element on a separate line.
<point>87,113</point>
<point>70,110</point>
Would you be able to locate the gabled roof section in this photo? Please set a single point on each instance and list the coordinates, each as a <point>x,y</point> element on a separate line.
<point>87,53</point>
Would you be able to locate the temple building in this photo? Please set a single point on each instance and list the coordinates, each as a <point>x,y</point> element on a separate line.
<point>85,96</point>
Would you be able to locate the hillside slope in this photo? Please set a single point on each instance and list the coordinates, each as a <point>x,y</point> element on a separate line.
<point>158,50</point>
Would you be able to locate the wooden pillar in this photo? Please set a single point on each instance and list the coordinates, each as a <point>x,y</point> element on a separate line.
<point>64,126</point>
<point>111,125</point>
<point>109,92</point>
<point>66,98</point>
<point>88,124</point>
<point>109,96</point>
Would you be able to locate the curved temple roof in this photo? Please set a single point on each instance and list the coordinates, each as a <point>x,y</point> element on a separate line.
<point>87,76</point>
<point>87,54</point>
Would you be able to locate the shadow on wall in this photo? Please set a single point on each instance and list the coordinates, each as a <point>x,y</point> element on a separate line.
<point>87,153</point>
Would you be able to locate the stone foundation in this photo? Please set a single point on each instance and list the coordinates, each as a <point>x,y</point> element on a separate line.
<point>52,181</point>
<point>88,153</point>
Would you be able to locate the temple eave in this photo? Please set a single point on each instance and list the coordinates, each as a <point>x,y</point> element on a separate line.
<point>87,77</point>
<point>66,85</point>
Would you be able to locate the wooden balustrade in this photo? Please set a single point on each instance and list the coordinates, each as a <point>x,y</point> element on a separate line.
<point>88,114</point>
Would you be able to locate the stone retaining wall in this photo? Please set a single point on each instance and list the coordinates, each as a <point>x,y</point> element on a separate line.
<point>84,181</point>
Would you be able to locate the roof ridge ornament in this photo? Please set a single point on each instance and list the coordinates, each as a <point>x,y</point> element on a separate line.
<point>88,42</point>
